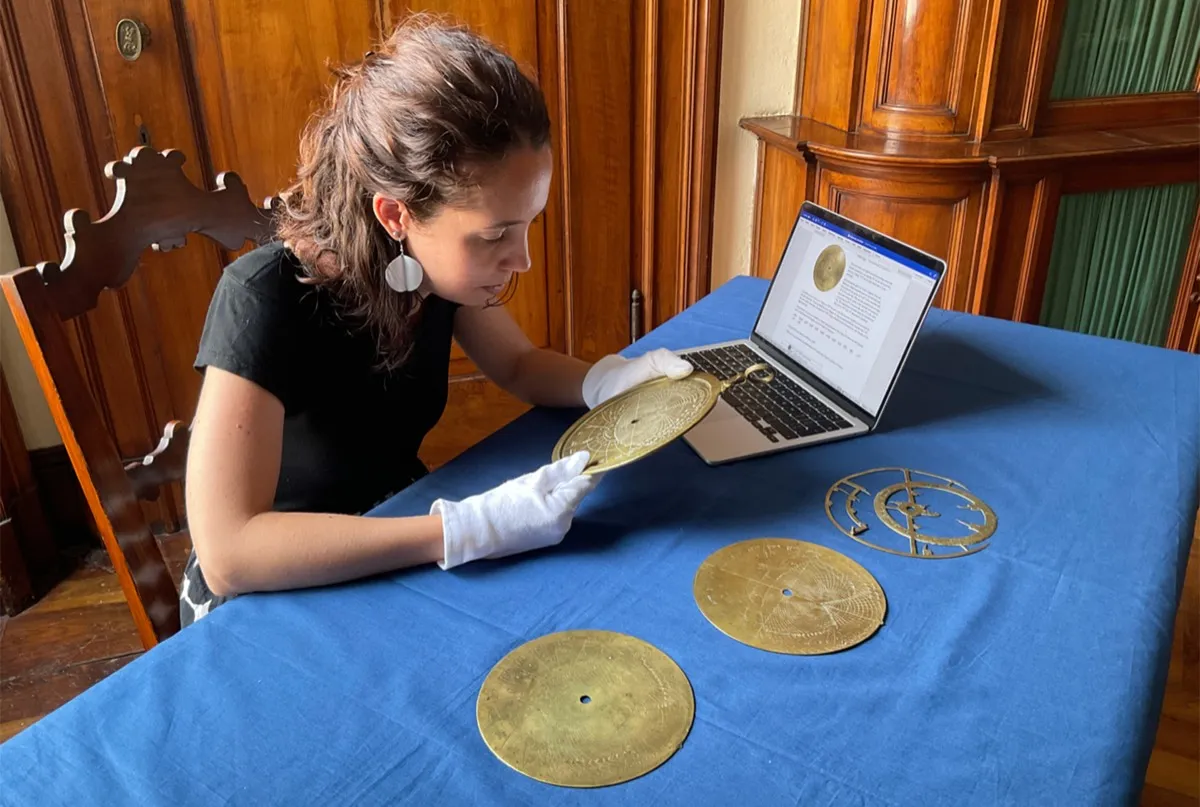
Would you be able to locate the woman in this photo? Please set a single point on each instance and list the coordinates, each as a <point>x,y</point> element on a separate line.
<point>326,354</point>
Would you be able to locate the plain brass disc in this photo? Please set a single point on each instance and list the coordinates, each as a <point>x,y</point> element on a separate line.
<point>640,421</point>
<point>585,708</point>
<point>789,596</point>
<point>829,268</point>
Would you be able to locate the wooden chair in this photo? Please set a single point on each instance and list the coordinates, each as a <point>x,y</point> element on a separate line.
<point>155,206</point>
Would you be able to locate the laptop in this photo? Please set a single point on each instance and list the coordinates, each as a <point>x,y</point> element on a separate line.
<point>836,327</point>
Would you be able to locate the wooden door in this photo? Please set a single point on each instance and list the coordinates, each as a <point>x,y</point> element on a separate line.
<point>231,85</point>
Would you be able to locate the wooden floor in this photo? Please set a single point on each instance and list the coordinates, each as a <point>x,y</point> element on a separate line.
<point>82,631</point>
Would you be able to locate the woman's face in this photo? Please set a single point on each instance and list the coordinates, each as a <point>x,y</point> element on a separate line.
<point>470,252</point>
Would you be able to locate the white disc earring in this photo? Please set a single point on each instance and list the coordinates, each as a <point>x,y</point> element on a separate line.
<point>404,273</point>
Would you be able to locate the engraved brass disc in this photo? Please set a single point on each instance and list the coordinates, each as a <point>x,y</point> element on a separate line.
<point>585,708</point>
<point>647,417</point>
<point>640,421</point>
<point>829,268</point>
<point>789,596</point>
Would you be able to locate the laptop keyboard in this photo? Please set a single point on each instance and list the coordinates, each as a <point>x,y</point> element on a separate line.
<point>781,409</point>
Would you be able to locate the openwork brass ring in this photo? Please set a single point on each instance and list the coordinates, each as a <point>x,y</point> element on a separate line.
<point>901,509</point>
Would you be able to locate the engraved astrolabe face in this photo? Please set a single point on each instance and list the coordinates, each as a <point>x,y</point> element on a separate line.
<point>585,708</point>
<point>789,596</point>
<point>647,417</point>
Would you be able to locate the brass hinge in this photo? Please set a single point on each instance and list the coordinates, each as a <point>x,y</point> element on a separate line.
<point>635,316</point>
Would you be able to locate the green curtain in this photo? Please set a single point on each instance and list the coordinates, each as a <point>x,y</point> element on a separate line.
<point>1127,47</point>
<point>1115,264</point>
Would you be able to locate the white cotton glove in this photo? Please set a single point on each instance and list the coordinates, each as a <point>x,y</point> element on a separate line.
<point>614,374</point>
<point>529,512</point>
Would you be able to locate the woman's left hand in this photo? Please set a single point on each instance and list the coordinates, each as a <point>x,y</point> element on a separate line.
<point>614,374</point>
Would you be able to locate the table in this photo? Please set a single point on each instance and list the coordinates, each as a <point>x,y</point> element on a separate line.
<point>1030,673</point>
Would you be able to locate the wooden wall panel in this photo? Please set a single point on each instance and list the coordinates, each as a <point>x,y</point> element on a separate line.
<point>922,65</point>
<point>829,86</point>
<point>1184,333</point>
<point>253,126</point>
<point>780,190</point>
<point>678,43</point>
<point>510,22</point>
<point>594,58</point>
<point>1015,93</point>
<point>1117,112</point>
<point>1016,208</point>
<point>937,214</point>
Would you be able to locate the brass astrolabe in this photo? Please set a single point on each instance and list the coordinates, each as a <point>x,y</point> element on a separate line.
<point>647,417</point>
<point>585,708</point>
<point>829,268</point>
<point>789,596</point>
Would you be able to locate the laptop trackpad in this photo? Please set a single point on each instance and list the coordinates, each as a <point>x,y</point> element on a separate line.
<point>721,413</point>
<point>724,435</point>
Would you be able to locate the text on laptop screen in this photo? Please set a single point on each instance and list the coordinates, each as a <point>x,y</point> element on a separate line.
<point>845,308</point>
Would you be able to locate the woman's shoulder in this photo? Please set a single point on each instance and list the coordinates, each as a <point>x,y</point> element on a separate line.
<point>270,270</point>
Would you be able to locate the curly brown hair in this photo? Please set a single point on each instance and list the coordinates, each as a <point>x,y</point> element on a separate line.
<point>420,120</point>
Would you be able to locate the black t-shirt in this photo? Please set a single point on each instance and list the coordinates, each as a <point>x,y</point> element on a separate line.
<point>351,431</point>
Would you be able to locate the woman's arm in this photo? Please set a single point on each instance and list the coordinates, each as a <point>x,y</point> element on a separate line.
<point>232,471</point>
<point>499,347</point>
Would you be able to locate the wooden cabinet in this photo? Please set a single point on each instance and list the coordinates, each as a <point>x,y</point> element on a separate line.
<point>632,94</point>
<point>952,125</point>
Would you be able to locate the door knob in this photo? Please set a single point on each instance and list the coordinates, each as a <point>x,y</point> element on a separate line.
<point>132,37</point>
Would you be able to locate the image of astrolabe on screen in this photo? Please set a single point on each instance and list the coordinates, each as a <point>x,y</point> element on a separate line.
<point>908,512</point>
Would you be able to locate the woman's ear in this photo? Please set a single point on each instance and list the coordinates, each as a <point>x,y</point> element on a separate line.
<point>393,215</point>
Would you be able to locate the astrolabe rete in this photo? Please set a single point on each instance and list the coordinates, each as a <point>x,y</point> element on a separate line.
<point>829,268</point>
<point>903,511</point>
<point>585,708</point>
<point>642,420</point>
<point>789,596</point>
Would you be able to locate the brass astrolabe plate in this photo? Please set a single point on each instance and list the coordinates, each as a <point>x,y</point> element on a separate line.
<point>829,268</point>
<point>585,708</point>
<point>789,596</point>
<point>641,420</point>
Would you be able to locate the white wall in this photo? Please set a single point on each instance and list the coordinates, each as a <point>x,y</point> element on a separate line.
<point>758,75</point>
<point>32,413</point>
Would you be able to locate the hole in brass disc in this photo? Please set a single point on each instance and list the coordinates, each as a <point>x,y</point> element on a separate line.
<point>787,592</point>
<point>585,699</point>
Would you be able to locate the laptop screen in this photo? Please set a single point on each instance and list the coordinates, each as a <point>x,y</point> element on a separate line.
<point>845,308</point>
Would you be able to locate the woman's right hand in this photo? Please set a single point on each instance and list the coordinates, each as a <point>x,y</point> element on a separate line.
<point>526,513</point>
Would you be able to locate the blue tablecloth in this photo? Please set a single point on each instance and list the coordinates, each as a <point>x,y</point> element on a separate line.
<point>1030,673</point>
